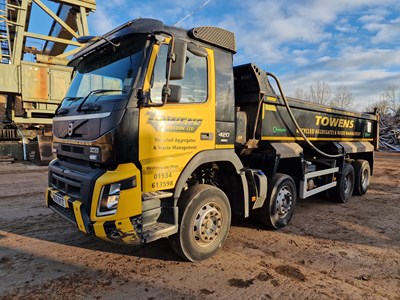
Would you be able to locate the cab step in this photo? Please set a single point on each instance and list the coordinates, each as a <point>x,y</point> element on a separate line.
<point>156,194</point>
<point>157,230</point>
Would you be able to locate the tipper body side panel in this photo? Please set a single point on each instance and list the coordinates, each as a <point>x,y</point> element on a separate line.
<point>317,123</point>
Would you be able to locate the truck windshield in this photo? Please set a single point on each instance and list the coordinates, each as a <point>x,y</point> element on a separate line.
<point>111,70</point>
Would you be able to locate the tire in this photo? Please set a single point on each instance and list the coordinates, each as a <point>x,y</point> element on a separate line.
<point>362,172</point>
<point>345,184</point>
<point>281,200</point>
<point>201,206</point>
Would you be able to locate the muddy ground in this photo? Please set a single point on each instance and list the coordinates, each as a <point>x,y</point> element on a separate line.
<point>328,251</point>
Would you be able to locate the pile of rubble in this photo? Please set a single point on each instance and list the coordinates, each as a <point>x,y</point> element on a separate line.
<point>390,133</point>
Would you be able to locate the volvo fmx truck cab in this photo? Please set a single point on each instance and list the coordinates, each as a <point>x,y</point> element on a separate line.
<point>160,136</point>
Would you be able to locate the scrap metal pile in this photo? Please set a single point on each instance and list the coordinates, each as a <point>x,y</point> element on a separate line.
<point>390,133</point>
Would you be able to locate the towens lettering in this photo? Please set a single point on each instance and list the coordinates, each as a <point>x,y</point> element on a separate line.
<point>334,122</point>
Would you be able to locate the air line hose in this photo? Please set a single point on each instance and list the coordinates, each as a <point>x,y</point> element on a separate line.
<point>295,122</point>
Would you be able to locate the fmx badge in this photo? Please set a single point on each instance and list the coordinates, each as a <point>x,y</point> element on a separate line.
<point>172,124</point>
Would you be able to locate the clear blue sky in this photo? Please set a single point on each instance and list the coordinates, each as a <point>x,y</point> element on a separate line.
<point>352,43</point>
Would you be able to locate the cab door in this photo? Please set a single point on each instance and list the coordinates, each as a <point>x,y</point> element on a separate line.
<point>172,134</point>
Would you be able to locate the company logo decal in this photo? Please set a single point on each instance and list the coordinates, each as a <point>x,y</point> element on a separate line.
<point>278,130</point>
<point>173,124</point>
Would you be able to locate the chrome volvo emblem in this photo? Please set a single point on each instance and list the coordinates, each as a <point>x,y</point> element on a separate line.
<point>70,130</point>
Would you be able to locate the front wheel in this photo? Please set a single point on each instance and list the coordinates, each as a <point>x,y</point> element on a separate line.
<point>205,218</point>
<point>279,205</point>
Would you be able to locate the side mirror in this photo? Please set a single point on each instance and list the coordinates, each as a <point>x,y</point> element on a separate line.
<point>173,93</point>
<point>177,67</point>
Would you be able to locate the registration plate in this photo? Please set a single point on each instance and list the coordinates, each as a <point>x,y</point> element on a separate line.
<point>59,200</point>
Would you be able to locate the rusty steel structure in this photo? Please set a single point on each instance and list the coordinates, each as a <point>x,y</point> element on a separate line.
<point>32,90</point>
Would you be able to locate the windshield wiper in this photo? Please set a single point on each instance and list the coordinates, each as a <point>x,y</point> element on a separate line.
<point>61,111</point>
<point>95,92</point>
<point>91,107</point>
<point>71,98</point>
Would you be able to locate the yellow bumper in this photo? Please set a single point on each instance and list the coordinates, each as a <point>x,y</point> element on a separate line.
<point>123,227</point>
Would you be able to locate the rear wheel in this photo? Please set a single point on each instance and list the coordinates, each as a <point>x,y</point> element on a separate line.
<point>345,184</point>
<point>279,205</point>
<point>205,218</point>
<point>362,173</point>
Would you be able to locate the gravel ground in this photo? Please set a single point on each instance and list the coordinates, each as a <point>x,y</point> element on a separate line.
<point>328,251</point>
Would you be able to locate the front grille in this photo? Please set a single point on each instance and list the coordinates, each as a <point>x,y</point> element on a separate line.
<point>72,149</point>
<point>74,180</point>
<point>68,186</point>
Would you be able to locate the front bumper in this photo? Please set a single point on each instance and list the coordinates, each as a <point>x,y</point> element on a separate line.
<point>126,231</point>
<point>74,194</point>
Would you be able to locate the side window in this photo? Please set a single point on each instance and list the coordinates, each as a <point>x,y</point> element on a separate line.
<point>158,80</point>
<point>194,84</point>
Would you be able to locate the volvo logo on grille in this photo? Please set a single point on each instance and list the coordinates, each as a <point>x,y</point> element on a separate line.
<point>70,130</point>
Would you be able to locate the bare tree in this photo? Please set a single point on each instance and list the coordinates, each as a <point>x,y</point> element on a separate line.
<point>319,92</point>
<point>391,94</point>
<point>343,98</point>
<point>382,105</point>
<point>300,94</point>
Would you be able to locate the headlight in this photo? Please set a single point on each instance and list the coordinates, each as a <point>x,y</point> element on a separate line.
<point>109,199</point>
<point>109,196</point>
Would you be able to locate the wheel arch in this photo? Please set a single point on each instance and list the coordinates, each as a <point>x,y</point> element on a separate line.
<point>230,165</point>
<point>287,159</point>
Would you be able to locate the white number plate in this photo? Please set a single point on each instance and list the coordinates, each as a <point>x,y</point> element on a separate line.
<point>59,200</point>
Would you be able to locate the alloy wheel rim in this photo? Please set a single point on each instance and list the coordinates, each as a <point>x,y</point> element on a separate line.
<point>207,224</point>
<point>284,202</point>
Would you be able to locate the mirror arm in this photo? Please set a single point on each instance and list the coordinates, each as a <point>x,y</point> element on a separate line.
<point>171,58</point>
<point>143,97</point>
<point>166,91</point>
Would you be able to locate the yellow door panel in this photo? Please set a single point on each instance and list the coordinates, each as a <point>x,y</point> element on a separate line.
<point>169,136</point>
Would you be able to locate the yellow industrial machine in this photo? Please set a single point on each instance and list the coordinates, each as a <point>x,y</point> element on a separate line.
<point>31,89</point>
<point>160,136</point>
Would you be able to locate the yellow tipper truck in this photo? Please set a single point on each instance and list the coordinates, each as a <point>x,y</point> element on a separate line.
<point>160,136</point>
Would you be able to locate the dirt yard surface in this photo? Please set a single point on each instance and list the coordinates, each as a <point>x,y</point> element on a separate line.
<point>328,251</point>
